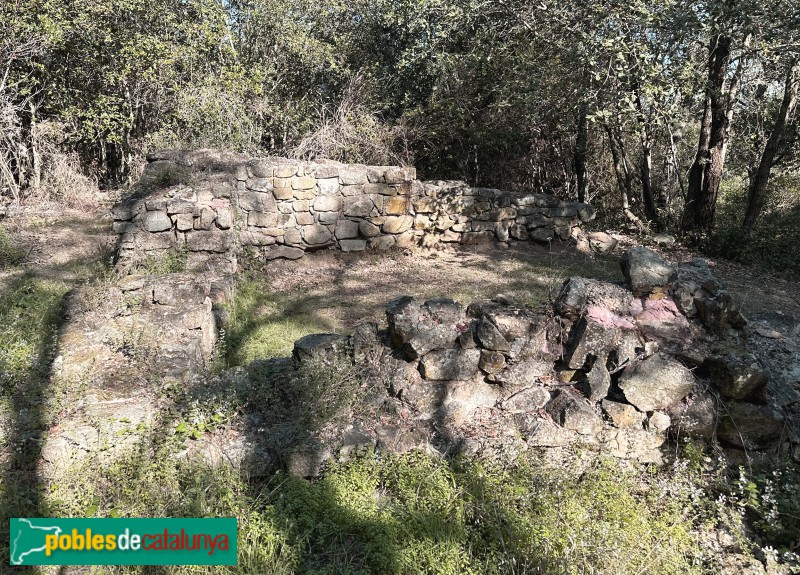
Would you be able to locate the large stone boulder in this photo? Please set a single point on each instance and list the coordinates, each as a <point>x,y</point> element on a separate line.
<point>751,426</point>
<point>420,328</point>
<point>656,382</point>
<point>645,270</point>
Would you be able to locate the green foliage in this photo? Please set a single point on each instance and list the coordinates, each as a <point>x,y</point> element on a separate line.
<point>772,245</point>
<point>172,175</point>
<point>770,497</point>
<point>407,514</point>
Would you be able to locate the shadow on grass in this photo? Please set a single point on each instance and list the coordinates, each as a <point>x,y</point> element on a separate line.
<point>266,320</point>
<point>30,313</point>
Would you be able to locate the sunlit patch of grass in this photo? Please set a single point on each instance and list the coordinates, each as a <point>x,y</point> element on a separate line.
<point>30,311</point>
<point>265,325</point>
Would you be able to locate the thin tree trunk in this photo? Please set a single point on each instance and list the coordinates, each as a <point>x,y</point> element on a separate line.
<point>580,152</point>
<point>706,171</point>
<point>646,166</point>
<point>36,175</point>
<point>624,177</point>
<point>757,192</point>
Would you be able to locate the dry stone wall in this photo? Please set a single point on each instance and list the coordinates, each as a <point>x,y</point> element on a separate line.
<point>212,207</point>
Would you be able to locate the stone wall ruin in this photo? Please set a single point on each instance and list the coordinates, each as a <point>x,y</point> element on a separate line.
<point>215,206</point>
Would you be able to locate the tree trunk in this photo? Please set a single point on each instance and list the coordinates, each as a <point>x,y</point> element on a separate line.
<point>624,177</point>
<point>36,175</point>
<point>706,171</point>
<point>646,166</point>
<point>757,192</point>
<point>580,152</point>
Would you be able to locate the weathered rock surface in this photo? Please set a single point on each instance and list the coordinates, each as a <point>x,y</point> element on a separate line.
<point>751,426</point>
<point>656,382</point>
<point>736,375</point>
<point>645,270</point>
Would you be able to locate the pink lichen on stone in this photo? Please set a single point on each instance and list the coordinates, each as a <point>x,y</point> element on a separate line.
<point>607,318</point>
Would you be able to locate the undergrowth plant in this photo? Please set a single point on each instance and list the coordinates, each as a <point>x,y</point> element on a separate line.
<point>410,513</point>
<point>10,253</point>
<point>772,244</point>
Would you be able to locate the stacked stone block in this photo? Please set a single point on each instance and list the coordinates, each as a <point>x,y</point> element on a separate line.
<point>280,208</point>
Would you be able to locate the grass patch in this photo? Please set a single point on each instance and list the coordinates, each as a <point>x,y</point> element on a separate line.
<point>30,311</point>
<point>10,253</point>
<point>408,514</point>
<point>265,325</point>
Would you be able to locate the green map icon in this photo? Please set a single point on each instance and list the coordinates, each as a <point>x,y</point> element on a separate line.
<point>27,539</point>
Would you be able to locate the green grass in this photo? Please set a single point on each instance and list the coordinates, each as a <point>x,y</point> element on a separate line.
<point>10,253</point>
<point>408,514</point>
<point>30,310</point>
<point>265,325</point>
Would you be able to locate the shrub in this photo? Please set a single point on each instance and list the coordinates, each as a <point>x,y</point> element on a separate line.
<point>772,245</point>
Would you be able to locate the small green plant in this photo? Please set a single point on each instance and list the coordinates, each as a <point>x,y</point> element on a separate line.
<point>173,261</point>
<point>10,253</point>
<point>770,499</point>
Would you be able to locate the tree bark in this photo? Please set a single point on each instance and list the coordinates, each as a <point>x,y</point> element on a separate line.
<point>757,192</point>
<point>646,166</point>
<point>624,177</point>
<point>706,171</point>
<point>580,152</point>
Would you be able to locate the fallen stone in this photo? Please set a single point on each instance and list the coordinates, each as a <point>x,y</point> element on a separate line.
<point>751,426</point>
<point>320,346</point>
<point>602,242</point>
<point>382,243</point>
<point>645,270</point>
<point>656,383</point>
<point>284,252</point>
<point>542,235</point>
<point>663,239</point>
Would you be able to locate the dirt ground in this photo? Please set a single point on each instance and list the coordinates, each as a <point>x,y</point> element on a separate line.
<point>343,289</point>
